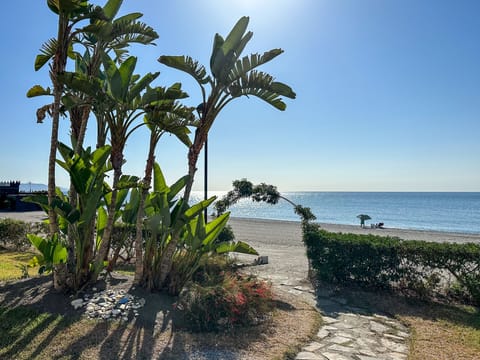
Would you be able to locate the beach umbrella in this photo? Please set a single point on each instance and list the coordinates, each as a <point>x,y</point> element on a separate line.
<point>362,218</point>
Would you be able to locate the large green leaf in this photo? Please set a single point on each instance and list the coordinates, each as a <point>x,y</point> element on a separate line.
<point>234,38</point>
<point>47,52</point>
<point>102,218</point>
<point>129,214</point>
<point>126,72</point>
<point>217,48</point>
<point>141,85</point>
<point>188,65</point>
<point>196,209</point>
<point>238,247</point>
<point>111,8</point>
<point>213,229</point>
<point>224,58</point>
<point>65,210</point>
<point>177,187</point>
<point>159,183</point>
<point>82,83</point>
<point>38,90</point>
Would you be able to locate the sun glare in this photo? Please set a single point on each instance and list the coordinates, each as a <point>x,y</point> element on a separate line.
<point>262,12</point>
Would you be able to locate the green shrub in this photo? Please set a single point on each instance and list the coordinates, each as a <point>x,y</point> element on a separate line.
<point>13,234</point>
<point>237,300</point>
<point>386,262</point>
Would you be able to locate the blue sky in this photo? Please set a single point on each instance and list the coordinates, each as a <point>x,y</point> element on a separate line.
<point>388,93</point>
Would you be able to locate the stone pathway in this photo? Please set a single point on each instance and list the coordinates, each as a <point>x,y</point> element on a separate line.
<point>351,333</point>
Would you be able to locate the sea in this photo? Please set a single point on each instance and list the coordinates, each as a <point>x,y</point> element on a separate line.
<point>432,211</point>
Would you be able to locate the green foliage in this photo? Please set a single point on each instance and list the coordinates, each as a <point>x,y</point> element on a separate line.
<point>165,215</point>
<point>235,300</point>
<point>386,262</point>
<point>52,250</point>
<point>13,234</point>
<point>226,235</point>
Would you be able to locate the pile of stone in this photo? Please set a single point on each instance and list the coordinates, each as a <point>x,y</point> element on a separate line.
<point>109,304</point>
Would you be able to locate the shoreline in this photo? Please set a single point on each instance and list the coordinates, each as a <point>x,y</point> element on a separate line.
<point>405,234</point>
<point>266,228</point>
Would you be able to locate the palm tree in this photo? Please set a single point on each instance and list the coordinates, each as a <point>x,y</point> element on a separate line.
<point>70,12</point>
<point>362,218</point>
<point>231,77</point>
<point>165,116</point>
<point>103,35</point>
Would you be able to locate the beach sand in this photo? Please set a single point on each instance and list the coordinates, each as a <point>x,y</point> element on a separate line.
<point>289,232</point>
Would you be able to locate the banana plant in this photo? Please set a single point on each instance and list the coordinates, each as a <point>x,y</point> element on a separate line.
<point>232,76</point>
<point>53,252</point>
<point>198,241</point>
<point>87,172</point>
<point>165,115</point>
<point>119,97</point>
<point>167,214</point>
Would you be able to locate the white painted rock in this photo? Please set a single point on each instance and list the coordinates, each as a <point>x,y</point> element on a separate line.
<point>77,303</point>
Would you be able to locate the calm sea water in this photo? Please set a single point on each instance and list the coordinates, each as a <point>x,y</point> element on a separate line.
<point>440,211</point>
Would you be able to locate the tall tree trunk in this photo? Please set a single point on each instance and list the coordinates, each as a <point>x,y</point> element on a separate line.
<point>147,180</point>
<point>166,261</point>
<point>58,67</point>
<point>117,160</point>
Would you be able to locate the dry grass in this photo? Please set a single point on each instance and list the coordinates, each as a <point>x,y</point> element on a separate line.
<point>10,262</point>
<point>26,334</point>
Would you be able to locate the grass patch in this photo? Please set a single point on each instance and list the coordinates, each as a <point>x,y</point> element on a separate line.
<point>125,269</point>
<point>10,262</point>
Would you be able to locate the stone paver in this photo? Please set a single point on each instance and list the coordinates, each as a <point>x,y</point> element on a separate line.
<point>351,333</point>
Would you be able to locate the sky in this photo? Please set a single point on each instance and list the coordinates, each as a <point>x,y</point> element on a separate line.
<point>388,94</point>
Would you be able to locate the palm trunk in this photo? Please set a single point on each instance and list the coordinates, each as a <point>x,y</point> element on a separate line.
<point>58,66</point>
<point>166,261</point>
<point>117,159</point>
<point>139,263</point>
<point>52,217</point>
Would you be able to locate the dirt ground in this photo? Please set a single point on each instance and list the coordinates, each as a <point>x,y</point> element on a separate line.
<point>155,331</point>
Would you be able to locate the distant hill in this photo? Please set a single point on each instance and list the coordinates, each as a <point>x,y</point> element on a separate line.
<point>28,187</point>
<point>32,187</point>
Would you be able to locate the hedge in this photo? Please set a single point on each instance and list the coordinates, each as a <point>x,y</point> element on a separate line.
<point>389,262</point>
<point>13,233</point>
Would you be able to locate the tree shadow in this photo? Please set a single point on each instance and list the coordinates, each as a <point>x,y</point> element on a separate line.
<point>335,300</point>
<point>21,326</point>
<point>135,339</point>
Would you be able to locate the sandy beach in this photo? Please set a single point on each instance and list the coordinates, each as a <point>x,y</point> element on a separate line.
<point>288,232</point>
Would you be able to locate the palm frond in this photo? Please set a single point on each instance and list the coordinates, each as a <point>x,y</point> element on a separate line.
<point>250,62</point>
<point>125,32</point>
<point>188,65</point>
<point>47,51</point>
<point>263,86</point>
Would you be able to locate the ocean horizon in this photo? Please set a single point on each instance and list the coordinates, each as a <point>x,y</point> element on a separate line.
<point>431,211</point>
